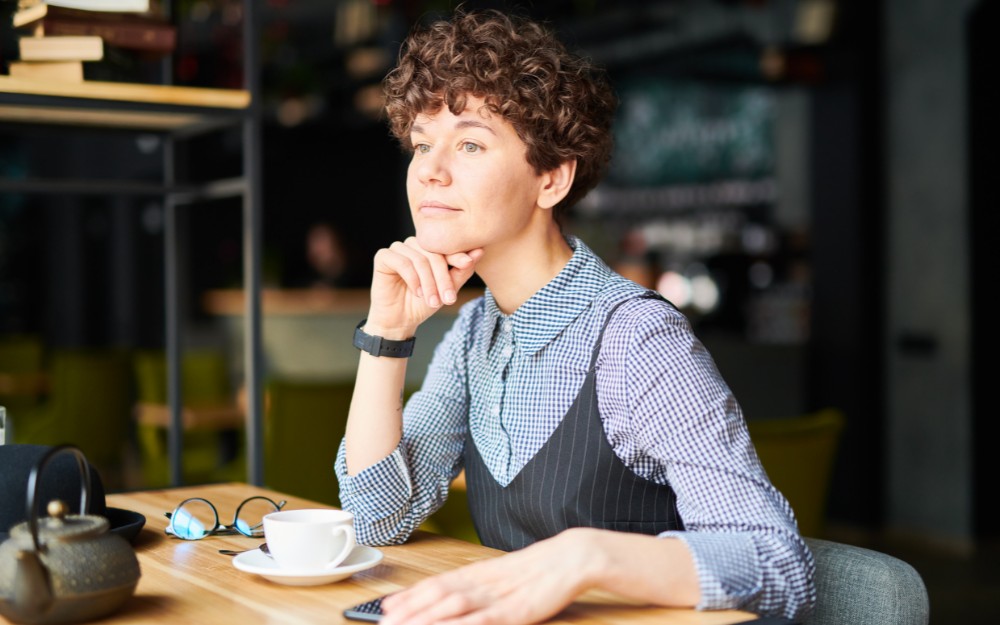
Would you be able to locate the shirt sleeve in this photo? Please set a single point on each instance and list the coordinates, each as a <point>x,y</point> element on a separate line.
<point>391,498</point>
<point>681,418</point>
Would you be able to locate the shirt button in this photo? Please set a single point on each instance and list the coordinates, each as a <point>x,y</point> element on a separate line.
<point>508,350</point>
<point>495,411</point>
<point>507,325</point>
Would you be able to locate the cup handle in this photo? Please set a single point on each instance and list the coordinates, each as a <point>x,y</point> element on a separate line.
<point>349,543</point>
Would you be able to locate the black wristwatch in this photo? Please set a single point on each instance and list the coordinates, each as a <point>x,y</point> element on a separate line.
<point>378,346</point>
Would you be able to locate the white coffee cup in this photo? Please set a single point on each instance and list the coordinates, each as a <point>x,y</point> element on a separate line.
<point>309,539</point>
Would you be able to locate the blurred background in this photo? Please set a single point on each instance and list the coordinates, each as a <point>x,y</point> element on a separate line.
<point>806,179</point>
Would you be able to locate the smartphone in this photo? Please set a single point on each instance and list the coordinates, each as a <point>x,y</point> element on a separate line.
<point>370,611</point>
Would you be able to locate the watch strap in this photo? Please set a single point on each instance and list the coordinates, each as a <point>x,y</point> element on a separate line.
<point>378,346</point>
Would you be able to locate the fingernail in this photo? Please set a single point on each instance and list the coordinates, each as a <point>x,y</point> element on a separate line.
<point>449,296</point>
<point>434,301</point>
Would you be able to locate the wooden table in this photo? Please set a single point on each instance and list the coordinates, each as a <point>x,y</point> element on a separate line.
<point>190,582</point>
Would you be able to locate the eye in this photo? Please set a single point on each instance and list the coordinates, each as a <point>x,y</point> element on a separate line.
<point>470,148</point>
<point>422,148</point>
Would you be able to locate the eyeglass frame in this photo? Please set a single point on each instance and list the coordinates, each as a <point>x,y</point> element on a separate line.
<point>219,529</point>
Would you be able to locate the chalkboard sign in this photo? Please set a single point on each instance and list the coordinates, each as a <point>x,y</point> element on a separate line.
<point>676,132</point>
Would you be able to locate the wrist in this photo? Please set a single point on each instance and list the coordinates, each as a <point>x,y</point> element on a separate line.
<point>595,559</point>
<point>379,346</point>
<point>393,333</point>
<point>388,329</point>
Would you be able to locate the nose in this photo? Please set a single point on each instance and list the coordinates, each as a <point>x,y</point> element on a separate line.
<point>432,167</point>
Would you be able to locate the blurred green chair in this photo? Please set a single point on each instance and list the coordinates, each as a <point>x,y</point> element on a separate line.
<point>213,422</point>
<point>304,424</point>
<point>798,454</point>
<point>88,402</point>
<point>23,379</point>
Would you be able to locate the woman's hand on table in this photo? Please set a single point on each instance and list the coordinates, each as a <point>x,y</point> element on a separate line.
<point>537,582</point>
<point>526,586</point>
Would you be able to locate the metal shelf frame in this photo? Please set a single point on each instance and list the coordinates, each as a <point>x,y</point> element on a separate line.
<point>176,113</point>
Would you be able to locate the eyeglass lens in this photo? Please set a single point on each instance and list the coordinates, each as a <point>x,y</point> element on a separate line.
<point>194,519</point>
<point>197,518</point>
<point>250,516</point>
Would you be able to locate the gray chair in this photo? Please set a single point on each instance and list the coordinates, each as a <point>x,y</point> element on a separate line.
<point>859,586</point>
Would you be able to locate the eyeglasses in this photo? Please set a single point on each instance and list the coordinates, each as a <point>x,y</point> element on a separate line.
<point>196,518</point>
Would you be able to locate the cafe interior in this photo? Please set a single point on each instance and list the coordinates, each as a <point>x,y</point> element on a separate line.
<point>805,179</point>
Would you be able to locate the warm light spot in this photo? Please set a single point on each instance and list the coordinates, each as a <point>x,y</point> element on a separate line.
<point>704,293</point>
<point>675,287</point>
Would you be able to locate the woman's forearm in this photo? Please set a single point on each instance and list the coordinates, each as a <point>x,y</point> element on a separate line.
<point>535,583</point>
<point>643,568</point>
<point>375,420</point>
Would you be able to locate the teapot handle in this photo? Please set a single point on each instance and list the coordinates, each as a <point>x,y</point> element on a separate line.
<point>33,486</point>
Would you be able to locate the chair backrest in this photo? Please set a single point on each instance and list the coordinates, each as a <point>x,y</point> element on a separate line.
<point>20,353</point>
<point>209,455</point>
<point>22,375</point>
<point>798,454</point>
<point>89,401</point>
<point>304,425</point>
<point>864,587</point>
<point>204,373</point>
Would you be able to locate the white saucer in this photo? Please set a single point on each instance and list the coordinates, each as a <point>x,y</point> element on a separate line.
<point>258,562</point>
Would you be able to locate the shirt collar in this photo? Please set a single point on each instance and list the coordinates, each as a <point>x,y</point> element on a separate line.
<point>553,307</point>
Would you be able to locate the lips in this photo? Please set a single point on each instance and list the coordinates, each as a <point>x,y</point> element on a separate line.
<point>436,208</point>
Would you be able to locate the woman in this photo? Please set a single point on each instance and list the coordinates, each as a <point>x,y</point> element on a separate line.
<point>601,447</point>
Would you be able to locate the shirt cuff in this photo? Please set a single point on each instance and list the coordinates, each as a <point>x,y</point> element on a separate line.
<point>728,569</point>
<point>378,492</point>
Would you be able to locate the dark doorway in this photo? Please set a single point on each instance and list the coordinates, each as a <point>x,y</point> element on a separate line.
<point>983,50</point>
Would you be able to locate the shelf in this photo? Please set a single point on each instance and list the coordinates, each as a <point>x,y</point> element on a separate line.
<point>310,302</point>
<point>180,113</point>
<point>182,194</point>
<point>118,105</point>
<point>130,92</point>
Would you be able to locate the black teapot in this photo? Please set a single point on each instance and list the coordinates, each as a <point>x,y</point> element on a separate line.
<point>64,568</point>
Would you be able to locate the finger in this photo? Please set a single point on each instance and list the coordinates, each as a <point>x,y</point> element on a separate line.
<point>390,262</point>
<point>421,263</point>
<point>403,606</point>
<point>464,259</point>
<point>489,615</point>
<point>512,606</point>
<point>443,286</point>
<point>463,266</point>
<point>449,606</point>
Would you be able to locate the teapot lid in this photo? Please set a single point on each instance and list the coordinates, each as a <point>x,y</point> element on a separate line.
<point>60,526</point>
<point>62,480</point>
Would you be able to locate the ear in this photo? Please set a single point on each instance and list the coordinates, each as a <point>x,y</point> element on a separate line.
<point>556,184</point>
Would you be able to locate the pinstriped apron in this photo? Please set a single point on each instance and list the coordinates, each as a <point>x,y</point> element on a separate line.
<point>575,480</point>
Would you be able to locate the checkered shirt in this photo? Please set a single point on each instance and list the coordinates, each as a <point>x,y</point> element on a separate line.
<point>666,411</point>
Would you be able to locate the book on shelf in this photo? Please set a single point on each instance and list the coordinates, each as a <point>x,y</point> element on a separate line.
<point>144,33</point>
<point>47,71</point>
<point>29,13</point>
<point>61,48</point>
<point>128,6</point>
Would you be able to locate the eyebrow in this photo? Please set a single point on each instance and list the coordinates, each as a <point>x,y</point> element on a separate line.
<point>465,123</point>
<point>471,123</point>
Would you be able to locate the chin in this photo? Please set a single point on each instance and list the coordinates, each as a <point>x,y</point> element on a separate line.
<point>442,244</point>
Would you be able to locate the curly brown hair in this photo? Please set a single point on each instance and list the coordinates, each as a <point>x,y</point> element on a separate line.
<point>559,103</point>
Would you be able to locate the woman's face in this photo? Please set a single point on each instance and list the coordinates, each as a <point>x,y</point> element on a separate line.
<point>469,183</point>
